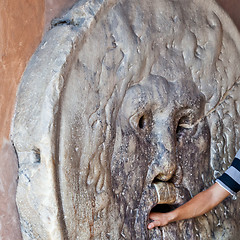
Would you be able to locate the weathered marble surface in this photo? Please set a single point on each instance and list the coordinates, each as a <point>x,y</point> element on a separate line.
<point>121,95</point>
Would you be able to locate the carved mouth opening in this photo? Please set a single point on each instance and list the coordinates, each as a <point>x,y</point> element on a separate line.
<point>167,196</point>
<point>164,208</point>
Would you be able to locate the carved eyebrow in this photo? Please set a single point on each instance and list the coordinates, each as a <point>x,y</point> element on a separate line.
<point>138,94</point>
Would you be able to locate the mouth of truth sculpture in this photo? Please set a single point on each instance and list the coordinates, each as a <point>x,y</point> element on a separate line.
<point>124,105</point>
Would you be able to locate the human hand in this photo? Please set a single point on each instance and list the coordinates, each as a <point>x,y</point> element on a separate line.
<point>159,219</point>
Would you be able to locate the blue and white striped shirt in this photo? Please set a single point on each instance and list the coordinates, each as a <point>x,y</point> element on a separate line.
<point>230,180</point>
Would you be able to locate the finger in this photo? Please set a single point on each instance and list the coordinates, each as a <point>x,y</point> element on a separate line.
<point>154,224</point>
<point>150,225</point>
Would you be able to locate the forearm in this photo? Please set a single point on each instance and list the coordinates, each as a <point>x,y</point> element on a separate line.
<point>200,204</point>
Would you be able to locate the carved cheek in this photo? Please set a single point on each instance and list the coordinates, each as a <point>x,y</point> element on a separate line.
<point>193,152</point>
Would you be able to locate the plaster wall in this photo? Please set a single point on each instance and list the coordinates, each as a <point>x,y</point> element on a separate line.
<point>21,26</point>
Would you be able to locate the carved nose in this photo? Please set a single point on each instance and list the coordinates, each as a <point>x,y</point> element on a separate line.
<point>166,165</point>
<point>165,155</point>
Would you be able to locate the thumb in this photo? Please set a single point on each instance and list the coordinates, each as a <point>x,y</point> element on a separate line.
<point>154,224</point>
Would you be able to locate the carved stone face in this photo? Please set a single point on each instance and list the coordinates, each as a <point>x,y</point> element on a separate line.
<point>161,136</point>
<point>127,104</point>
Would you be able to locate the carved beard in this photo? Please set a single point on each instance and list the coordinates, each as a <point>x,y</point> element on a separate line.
<point>136,196</point>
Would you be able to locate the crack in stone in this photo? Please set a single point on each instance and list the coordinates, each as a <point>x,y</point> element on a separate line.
<point>223,98</point>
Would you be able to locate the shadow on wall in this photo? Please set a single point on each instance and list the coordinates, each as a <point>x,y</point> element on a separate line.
<point>232,8</point>
<point>9,220</point>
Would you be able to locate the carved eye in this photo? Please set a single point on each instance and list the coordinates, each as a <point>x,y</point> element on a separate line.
<point>142,122</point>
<point>184,124</point>
<point>139,122</point>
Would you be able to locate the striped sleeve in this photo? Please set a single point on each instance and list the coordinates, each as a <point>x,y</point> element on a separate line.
<point>230,180</point>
